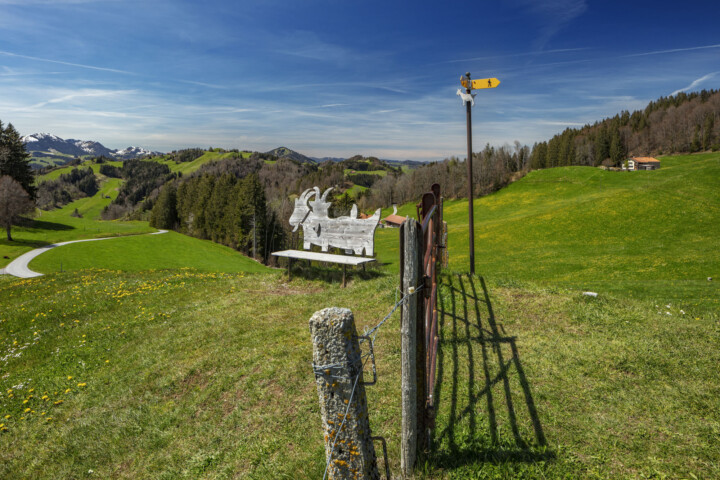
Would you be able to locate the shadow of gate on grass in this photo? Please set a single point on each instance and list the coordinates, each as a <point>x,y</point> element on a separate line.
<point>485,409</point>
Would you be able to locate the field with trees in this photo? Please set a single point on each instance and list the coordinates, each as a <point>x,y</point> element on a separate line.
<point>173,356</point>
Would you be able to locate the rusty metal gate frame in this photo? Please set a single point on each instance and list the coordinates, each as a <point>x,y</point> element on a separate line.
<point>430,213</point>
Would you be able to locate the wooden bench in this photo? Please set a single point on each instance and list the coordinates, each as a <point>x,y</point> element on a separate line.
<point>343,260</point>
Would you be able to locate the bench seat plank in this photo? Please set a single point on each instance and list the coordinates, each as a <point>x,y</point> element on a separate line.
<point>323,257</point>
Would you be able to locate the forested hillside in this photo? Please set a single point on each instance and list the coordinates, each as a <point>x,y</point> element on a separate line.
<point>684,123</point>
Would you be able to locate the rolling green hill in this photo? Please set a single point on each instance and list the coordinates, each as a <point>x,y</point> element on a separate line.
<point>147,252</point>
<point>189,167</point>
<point>54,174</point>
<point>197,373</point>
<point>647,234</point>
<point>59,225</point>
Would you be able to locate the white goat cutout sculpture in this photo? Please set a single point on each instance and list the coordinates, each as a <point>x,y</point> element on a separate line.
<point>467,97</point>
<point>349,233</point>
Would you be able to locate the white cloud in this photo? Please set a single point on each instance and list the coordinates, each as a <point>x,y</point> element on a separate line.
<point>695,83</point>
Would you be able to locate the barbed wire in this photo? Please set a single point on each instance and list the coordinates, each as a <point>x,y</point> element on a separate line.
<point>412,291</point>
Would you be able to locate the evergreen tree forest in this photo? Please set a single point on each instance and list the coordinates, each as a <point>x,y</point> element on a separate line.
<point>223,208</point>
<point>684,123</point>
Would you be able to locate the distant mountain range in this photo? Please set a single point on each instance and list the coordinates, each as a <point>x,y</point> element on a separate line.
<point>47,150</point>
<point>51,147</point>
<point>284,152</point>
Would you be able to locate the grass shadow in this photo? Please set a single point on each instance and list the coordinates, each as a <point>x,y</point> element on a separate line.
<point>31,225</point>
<point>23,243</point>
<point>486,411</point>
<point>331,273</point>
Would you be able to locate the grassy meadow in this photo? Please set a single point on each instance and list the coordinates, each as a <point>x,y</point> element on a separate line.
<point>162,356</point>
<point>647,234</point>
<point>54,174</point>
<point>169,250</point>
<point>59,225</point>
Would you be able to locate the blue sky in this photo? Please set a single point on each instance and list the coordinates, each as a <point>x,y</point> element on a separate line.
<point>338,78</point>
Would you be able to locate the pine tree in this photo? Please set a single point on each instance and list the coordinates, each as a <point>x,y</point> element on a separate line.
<point>695,145</point>
<point>617,149</point>
<point>708,125</point>
<point>164,213</point>
<point>15,161</point>
<point>602,146</point>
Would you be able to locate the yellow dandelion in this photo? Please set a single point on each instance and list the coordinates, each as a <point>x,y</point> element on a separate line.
<point>45,397</point>
<point>69,377</point>
<point>27,410</point>
<point>82,384</point>
<point>7,416</point>
<point>67,390</point>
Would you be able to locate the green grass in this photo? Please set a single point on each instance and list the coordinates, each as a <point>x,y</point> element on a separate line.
<point>355,190</point>
<point>189,167</point>
<point>146,252</point>
<point>185,374</point>
<point>381,173</point>
<point>642,234</point>
<point>192,374</point>
<point>54,174</point>
<point>58,225</point>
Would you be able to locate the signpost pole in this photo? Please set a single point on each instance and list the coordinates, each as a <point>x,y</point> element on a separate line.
<point>467,97</point>
<point>471,223</point>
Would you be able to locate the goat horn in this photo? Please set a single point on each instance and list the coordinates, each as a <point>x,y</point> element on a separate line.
<point>317,193</point>
<point>305,195</point>
<point>324,195</point>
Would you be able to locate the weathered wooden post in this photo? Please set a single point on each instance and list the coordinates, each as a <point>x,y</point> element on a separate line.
<point>412,334</point>
<point>338,366</point>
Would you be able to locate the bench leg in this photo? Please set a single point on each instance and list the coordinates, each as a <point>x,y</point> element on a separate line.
<point>344,273</point>
<point>289,266</point>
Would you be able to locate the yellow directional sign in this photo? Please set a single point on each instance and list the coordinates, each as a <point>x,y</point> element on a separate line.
<point>480,83</point>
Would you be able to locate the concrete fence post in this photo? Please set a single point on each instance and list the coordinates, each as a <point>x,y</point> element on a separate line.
<point>338,367</point>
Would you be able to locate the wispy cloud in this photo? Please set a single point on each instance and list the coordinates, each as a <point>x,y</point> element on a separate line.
<point>512,55</point>
<point>554,15</point>
<point>60,62</point>
<point>81,94</point>
<point>673,50</point>
<point>695,83</point>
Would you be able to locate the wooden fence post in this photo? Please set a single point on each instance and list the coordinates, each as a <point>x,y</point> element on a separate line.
<point>413,351</point>
<point>338,369</point>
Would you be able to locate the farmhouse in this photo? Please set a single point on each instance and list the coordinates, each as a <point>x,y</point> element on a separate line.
<point>393,220</point>
<point>643,163</point>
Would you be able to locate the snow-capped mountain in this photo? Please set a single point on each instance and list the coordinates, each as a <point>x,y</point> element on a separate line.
<point>41,144</point>
<point>133,152</point>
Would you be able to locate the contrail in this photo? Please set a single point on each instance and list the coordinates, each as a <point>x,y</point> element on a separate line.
<point>10,54</point>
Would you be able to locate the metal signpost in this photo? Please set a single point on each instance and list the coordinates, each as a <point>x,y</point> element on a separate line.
<point>469,102</point>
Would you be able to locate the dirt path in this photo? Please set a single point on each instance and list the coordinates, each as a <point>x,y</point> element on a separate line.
<point>19,266</point>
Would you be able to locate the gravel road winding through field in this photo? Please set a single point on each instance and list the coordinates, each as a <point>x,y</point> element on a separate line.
<point>19,266</point>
